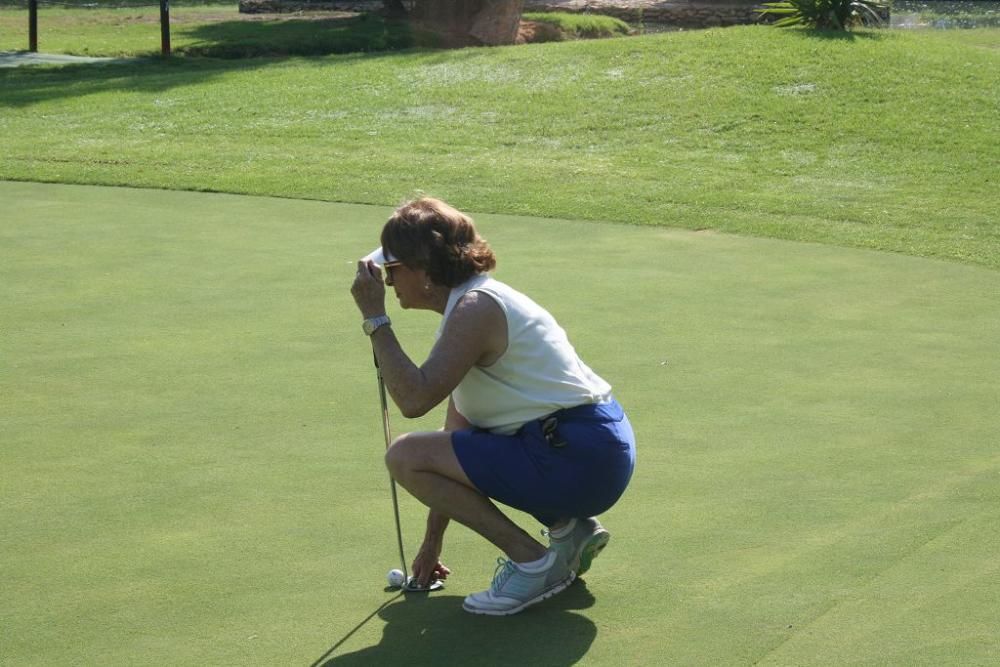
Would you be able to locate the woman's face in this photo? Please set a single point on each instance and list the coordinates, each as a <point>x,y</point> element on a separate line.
<point>409,284</point>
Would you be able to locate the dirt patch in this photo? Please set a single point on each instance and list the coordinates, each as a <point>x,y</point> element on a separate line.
<point>533,32</point>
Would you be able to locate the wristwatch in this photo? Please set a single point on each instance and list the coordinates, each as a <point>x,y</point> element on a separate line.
<point>372,324</point>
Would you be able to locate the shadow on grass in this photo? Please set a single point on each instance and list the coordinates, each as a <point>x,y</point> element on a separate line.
<point>224,47</point>
<point>298,37</point>
<point>24,86</point>
<point>870,34</point>
<point>435,630</point>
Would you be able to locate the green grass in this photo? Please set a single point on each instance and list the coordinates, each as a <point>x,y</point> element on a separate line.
<point>884,140</point>
<point>584,26</point>
<point>191,439</point>
<point>192,445</point>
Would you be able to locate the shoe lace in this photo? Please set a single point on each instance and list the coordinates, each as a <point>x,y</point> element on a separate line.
<point>505,568</point>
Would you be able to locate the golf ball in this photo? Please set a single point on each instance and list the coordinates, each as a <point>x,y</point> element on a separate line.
<point>395,578</point>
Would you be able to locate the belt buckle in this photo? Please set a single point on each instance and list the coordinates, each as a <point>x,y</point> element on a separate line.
<point>550,432</point>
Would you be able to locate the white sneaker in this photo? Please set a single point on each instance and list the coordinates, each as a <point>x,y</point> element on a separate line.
<point>585,541</point>
<point>514,588</point>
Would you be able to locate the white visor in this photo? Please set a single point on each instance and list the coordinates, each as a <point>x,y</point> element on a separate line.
<point>378,256</point>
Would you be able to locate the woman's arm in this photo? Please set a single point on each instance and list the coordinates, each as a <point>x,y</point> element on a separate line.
<point>427,565</point>
<point>475,333</point>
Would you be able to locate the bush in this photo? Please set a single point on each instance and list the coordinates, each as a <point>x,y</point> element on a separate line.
<point>827,14</point>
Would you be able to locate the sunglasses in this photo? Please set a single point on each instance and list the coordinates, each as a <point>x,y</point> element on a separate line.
<point>388,267</point>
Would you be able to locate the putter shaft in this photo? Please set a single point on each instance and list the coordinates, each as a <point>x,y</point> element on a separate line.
<point>392,482</point>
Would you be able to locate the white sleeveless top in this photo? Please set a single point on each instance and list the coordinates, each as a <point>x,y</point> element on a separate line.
<point>538,374</point>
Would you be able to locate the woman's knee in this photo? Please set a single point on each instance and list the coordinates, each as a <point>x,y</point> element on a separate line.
<point>423,452</point>
<point>399,457</point>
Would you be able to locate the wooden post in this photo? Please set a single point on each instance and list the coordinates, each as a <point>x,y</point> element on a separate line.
<point>33,26</point>
<point>165,28</point>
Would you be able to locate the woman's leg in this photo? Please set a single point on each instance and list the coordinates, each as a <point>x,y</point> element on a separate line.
<point>425,465</point>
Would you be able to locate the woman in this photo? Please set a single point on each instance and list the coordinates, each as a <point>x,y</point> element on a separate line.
<point>528,424</point>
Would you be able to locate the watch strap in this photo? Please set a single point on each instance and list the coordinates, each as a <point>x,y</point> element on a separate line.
<point>372,324</point>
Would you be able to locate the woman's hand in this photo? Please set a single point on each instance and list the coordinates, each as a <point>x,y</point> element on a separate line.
<point>426,566</point>
<point>369,290</point>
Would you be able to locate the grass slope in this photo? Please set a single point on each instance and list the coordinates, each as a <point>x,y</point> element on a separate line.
<point>883,140</point>
<point>192,445</point>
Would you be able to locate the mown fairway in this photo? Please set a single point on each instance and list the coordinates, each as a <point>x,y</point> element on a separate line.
<point>885,140</point>
<point>192,448</point>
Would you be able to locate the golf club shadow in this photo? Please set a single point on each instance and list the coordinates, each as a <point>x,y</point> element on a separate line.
<point>433,629</point>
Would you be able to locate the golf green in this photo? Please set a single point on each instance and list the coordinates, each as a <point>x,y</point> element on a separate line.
<point>192,449</point>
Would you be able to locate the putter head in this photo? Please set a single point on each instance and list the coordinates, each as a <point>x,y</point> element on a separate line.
<point>411,586</point>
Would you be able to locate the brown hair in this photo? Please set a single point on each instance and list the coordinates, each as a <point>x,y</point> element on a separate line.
<point>429,234</point>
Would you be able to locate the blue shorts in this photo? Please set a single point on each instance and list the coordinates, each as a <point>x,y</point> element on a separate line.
<point>575,466</point>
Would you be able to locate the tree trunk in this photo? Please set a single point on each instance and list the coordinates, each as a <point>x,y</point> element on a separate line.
<point>470,22</point>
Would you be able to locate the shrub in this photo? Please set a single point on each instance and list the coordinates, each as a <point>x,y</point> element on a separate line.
<point>826,14</point>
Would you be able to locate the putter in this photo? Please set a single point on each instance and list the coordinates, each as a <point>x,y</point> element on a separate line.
<point>411,585</point>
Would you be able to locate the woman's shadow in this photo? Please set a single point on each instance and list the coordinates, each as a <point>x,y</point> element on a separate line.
<point>432,629</point>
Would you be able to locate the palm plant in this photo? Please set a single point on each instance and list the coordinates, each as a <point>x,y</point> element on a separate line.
<point>827,14</point>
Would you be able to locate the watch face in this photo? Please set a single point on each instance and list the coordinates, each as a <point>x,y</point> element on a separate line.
<point>371,325</point>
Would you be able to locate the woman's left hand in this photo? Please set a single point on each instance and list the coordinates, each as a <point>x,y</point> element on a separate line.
<point>369,290</point>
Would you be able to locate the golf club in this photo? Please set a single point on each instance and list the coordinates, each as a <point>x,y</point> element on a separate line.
<point>410,585</point>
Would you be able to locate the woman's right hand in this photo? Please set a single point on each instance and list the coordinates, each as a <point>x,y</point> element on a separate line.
<point>369,289</point>
<point>427,566</point>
